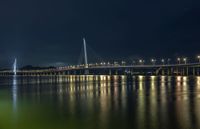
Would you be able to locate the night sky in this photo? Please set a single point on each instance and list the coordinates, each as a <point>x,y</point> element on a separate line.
<point>47,32</point>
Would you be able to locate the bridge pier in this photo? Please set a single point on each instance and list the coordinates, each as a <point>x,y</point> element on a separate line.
<point>194,71</point>
<point>110,72</point>
<point>163,71</point>
<point>116,72</point>
<point>187,71</point>
<point>168,72</point>
<point>86,72</point>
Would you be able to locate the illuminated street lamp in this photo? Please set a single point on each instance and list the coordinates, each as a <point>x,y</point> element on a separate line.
<point>179,60</point>
<point>103,63</point>
<point>141,62</point>
<point>185,60</point>
<point>168,61</point>
<point>153,61</point>
<point>115,63</point>
<point>163,61</point>
<point>198,58</point>
<point>123,62</point>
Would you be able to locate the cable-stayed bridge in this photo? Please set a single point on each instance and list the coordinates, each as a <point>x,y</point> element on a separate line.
<point>110,69</point>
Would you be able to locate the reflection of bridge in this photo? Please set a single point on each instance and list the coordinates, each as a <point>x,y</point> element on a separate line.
<point>111,69</point>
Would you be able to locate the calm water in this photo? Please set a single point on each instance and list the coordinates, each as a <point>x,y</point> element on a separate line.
<point>138,103</point>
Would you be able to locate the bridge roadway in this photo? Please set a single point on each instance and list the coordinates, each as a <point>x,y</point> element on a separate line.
<point>171,69</point>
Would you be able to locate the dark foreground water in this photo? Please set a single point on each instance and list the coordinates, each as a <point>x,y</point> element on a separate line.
<point>138,103</point>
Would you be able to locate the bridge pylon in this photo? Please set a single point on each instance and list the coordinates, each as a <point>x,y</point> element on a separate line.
<point>85,53</point>
<point>85,56</point>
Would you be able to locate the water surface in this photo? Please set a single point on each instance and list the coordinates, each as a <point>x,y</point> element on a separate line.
<point>104,103</point>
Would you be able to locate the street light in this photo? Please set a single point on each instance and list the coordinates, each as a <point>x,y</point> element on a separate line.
<point>185,60</point>
<point>153,61</point>
<point>179,60</point>
<point>163,61</point>
<point>123,63</point>
<point>141,62</point>
<point>198,58</point>
<point>168,61</point>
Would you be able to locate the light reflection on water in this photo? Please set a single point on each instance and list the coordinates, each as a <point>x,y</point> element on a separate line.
<point>100,102</point>
<point>14,93</point>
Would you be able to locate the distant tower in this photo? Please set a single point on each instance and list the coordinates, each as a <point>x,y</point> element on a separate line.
<point>85,53</point>
<point>15,67</point>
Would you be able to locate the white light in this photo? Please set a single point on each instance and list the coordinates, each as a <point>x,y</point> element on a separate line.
<point>163,78</point>
<point>178,78</point>
<point>141,78</point>
<point>184,79</point>
<point>153,78</point>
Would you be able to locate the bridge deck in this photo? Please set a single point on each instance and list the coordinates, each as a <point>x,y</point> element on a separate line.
<point>106,67</point>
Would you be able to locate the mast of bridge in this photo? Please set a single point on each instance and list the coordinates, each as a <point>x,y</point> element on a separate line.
<point>85,53</point>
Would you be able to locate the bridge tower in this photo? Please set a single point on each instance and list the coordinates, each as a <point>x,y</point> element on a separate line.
<point>85,56</point>
<point>85,53</point>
